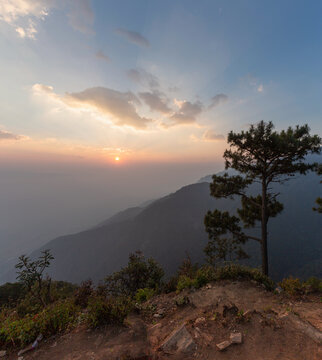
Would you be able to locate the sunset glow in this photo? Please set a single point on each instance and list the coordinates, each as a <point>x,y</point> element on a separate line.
<point>125,88</point>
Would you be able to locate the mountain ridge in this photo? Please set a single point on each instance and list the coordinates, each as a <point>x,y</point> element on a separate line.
<point>170,226</point>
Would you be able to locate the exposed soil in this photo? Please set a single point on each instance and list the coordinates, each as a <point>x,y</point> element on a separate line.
<point>272,326</point>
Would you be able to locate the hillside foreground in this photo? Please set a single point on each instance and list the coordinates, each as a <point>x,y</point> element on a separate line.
<point>189,325</point>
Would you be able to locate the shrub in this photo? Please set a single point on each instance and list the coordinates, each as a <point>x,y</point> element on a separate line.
<point>204,275</point>
<point>62,290</point>
<point>11,293</point>
<point>313,284</point>
<point>143,295</point>
<point>83,293</point>
<point>208,273</point>
<point>187,268</point>
<point>54,319</point>
<point>140,273</point>
<point>102,311</point>
<point>185,282</point>
<point>58,318</point>
<point>171,284</point>
<point>236,272</point>
<point>292,286</point>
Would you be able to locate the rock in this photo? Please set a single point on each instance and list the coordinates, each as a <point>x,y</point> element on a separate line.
<point>208,338</point>
<point>230,310</point>
<point>200,320</point>
<point>278,290</point>
<point>162,311</point>
<point>20,358</point>
<point>223,345</point>
<point>248,313</point>
<point>157,316</point>
<point>179,340</point>
<point>236,338</point>
<point>3,353</point>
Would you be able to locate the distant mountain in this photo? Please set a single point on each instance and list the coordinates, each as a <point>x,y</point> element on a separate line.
<point>169,227</point>
<point>121,216</point>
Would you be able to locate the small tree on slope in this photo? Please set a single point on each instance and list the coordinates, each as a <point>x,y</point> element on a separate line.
<point>31,274</point>
<point>262,156</point>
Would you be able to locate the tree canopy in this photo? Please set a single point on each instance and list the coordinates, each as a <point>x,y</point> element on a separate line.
<point>264,156</point>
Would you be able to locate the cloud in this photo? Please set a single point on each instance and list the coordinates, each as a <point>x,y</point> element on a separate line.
<point>218,100</point>
<point>260,88</point>
<point>254,82</point>
<point>81,16</point>
<point>6,135</point>
<point>140,76</point>
<point>100,55</point>
<point>211,135</point>
<point>118,106</point>
<point>12,10</point>
<point>173,88</point>
<point>40,89</point>
<point>187,113</point>
<point>23,14</point>
<point>29,31</point>
<point>133,37</point>
<point>156,101</point>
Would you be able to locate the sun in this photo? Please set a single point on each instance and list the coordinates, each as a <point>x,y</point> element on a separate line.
<point>117,158</point>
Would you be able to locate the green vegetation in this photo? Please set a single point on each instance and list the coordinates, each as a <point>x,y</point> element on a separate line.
<point>19,331</point>
<point>208,273</point>
<point>262,156</point>
<point>23,316</point>
<point>102,311</point>
<point>143,295</point>
<point>31,275</point>
<point>11,293</point>
<point>38,305</point>
<point>319,199</point>
<point>140,273</point>
<point>294,286</point>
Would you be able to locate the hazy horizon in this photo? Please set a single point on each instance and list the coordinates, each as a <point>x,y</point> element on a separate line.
<point>42,201</point>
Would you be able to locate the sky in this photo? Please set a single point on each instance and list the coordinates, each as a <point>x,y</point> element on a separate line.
<point>104,104</point>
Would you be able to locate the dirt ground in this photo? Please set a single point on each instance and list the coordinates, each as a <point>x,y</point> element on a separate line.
<point>272,327</point>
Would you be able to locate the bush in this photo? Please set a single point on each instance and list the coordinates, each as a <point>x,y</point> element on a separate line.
<point>143,295</point>
<point>237,272</point>
<point>292,286</point>
<point>83,293</point>
<point>185,282</point>
<point>11,293</point>
<point>187,268</point>
<point>58,318</point>
<point>140,273</point>
<point>313,284</point>
<point>204,275</point>
<point>61,290</point>
<point>102,311</point>
<point>208,273</point>
<point>171,284</point>
<point>50,321</point>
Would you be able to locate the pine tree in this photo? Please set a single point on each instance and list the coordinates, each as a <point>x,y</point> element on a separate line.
<point>264,156</point>
<point>319,199</point>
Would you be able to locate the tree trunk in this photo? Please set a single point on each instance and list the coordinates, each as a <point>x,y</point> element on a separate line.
<point>264,228</point>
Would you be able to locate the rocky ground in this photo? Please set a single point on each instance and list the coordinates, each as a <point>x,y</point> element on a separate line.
<point>230,320</point>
